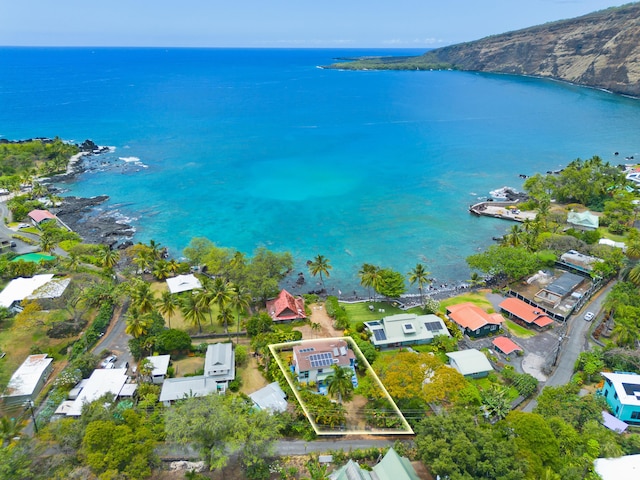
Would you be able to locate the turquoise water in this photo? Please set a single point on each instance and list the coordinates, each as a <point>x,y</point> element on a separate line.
<point>261,147</point>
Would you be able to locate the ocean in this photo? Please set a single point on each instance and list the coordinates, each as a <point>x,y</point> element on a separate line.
<point>260,147</point>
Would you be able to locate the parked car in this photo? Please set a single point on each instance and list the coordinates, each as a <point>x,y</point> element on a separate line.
<point>589,316</point>
<point>109,362</point>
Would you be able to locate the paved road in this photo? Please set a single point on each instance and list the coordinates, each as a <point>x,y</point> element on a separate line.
<point>574,342</point>
<point>116,339</point>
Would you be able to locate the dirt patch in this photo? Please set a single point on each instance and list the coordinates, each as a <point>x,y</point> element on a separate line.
<point>319,315</point>
<point>252,378</point>
<point>355,412</point>
<point>533,364</point>
<point>187,365</point>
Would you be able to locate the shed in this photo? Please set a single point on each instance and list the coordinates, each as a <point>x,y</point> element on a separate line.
<point>160,366</point>
<point>471,363</point>
<point>505,345</point>
<point>583,220</point>
<point>270,398</point>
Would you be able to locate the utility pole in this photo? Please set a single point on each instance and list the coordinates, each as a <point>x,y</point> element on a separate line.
<point>33,416</point>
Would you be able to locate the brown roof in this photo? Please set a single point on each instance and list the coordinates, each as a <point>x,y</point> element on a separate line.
<point>302,353</point>
<point>506,345</point>
<point>471,316</point>
<point>525,312</point>
<point>286,307</point>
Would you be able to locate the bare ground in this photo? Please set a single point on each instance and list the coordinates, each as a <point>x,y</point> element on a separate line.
<point>319,315</point>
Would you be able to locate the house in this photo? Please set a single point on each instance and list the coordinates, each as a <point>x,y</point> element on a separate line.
<point>474,321</point>
<point>286,308</point>
<point>219,370</point>
<point>583,220</point>
<point>505,345</point>
<point>405,329</point>
<point>160,366</point>
<point>392,466</point>
<point>39,216</point>
<point>101,382</point>
<point>270,398</point>
<point>20,288</point>
<point>559,289</point>
<point>28,380</point>
<point>579,261</point>
<point>471,363</point>
<point>622,393</point>
<point>51,295</point>
<point>626,467</point>
<point>524,313</point>
<point>183,283</point>
<point>313,360</point>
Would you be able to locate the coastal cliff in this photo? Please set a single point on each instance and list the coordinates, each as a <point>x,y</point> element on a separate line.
<point>600,50</point>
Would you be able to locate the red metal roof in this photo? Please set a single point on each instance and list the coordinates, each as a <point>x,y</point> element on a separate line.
<point>506,345</point>
<point>469,315</point>
<point>525,312</point>
<point>286,307</point>
<point>40,215</point>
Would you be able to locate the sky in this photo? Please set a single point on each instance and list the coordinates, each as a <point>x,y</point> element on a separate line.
<point>275,23</point>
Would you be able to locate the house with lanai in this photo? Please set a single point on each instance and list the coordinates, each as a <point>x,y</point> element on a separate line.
<point>313,361</point>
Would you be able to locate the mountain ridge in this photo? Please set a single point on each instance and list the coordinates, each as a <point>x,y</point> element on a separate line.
<point>599,50</point>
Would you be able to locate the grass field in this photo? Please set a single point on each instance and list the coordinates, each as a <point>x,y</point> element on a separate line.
<point>517,330</point>
<point>360,312</point>
<point>477,298</point>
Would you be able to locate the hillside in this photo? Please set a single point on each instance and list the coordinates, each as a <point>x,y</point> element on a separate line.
<point>600,50</point>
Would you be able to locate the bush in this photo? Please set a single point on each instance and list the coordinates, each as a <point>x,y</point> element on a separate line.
<point>242,355</point>
<point>235,384</point>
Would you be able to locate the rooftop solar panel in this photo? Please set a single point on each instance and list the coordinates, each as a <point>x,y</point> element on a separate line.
<point>433,326</point>
<point>380,335</point>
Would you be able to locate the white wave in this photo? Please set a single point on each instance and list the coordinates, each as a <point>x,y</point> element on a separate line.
<point>129,159</point>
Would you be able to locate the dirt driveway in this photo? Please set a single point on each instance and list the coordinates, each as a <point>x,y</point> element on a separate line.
<point>319,315</point>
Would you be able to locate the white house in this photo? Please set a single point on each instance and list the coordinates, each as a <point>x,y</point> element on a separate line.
<point>270,398</point>
<point>405,329</point>
<point>470,363</point>
<point>20,288</point>
<point>219,370</point>
<point>183,283</point>
<point>28,380</point>
<point>160,366</point>
<point>101,381</point>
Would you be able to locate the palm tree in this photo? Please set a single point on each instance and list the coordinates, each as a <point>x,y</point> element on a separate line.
<point>366,276</point>
<point>224,315</point>
<point>319,266</point>
<point>108,257</point>
<point>634,275</point>
<point>315,327</point>
<point>339,383</point>
<point>47,243</point>
<point>167,305</point>
<point>72,262</point>
<point>420,276</point>
<point>221,292</point>
<point>137,324</point>
<point>240,301</point>
<point>142,297</point>
<point>193,311</point>
<point>173,266</point>
<point>161,270</point>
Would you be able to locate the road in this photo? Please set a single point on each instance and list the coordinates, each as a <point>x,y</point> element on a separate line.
<point>116,340</point>
<point>574,342</point>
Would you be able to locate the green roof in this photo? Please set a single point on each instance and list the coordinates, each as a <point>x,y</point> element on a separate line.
<point>391,467</point>
<point>34,257</point>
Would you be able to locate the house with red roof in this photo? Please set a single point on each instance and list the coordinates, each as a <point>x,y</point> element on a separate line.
<point>474,321</point>
<point>286,308</point>
<point>39,216</point>
<point>505,345</point>
<point>525,314</point>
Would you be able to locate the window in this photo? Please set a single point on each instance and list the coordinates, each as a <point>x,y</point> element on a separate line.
<point>606,392</point>
<point>615,395</point>
<point>635,415</point>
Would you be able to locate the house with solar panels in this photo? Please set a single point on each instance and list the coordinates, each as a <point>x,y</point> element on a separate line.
<point>405,329</point>
<point>313,361</point>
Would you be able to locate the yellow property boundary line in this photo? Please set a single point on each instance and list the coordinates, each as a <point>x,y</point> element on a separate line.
<point>276,348</point>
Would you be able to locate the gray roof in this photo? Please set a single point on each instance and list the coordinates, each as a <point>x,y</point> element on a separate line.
<point>469,362</point>
<point>219,362</point>
<point>565,284</point>
<point>270,397</point>
<point>179,388</point>
<point>406,327</point>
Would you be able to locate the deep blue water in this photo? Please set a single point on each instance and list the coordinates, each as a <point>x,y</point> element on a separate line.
<point>261,147</point>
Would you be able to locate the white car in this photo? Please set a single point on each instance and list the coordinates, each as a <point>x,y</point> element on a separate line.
<point>109,362</point>
<point>589,316</point>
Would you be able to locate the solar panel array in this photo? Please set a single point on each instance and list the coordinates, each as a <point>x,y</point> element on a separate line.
<point>433,326</point>
<point>304,350</point>
<point>321,359</point>
<point>379,334</point>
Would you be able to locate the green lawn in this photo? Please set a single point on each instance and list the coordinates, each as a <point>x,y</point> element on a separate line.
<point>359,312</point>
<point>478,299</point>
<point>518,330</point>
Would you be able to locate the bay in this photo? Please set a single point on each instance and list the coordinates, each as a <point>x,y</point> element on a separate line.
<point>262,148</point>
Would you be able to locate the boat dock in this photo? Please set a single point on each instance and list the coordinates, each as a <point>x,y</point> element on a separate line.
<point>504,210</point>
